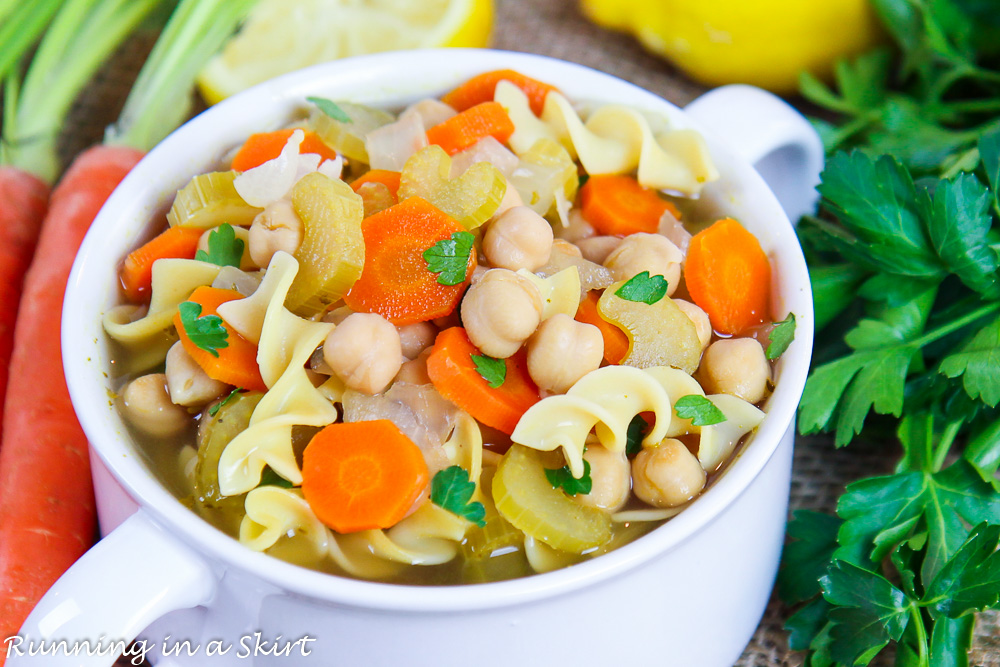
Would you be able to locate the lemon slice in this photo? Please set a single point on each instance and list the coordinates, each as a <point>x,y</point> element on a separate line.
<point>280,36</point>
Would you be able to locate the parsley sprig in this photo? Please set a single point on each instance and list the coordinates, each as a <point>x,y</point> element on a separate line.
<point>449,258</point>
<point>451,489</point>
<point>224,249</point>
<point>206,331</point>
<point>904,267</point>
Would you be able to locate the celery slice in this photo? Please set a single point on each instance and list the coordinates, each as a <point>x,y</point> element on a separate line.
<point>348,139</point>
<point>332,253</point>
<point>545,168</point>
<point>524,496</point>
<point>209,200</point>
<point>214,433</point>
<point>498,536</point>
<point>471,198</point>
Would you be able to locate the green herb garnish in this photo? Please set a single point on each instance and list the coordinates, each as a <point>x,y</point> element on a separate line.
<point>449,258</point>
<point>700,410</point>
<point>214,409</point>
<point>270,478</point>
<point>206,332</point>
<point>330,108</point>
<point>781,337</point>
<point>562,478</point>
<point>451,490</point>
<point>494,371</point>
<point>643,288</point>
<point>637,429</point>
<point>224,249</point>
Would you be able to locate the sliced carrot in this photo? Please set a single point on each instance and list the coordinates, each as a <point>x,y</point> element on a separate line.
<point>236,364</point>
<point>395,281</point>
<point>488,119</point>
<point>729,277</point>
<point>362,475</point>
<point>482,87</point>
<point>390,179</point>
<point>453,371</point>
<point>615,340</point>
<point>618,206</point>
<point>264,146</point>
<point>137,270</point>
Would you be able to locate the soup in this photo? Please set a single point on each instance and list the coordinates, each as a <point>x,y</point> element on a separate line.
<point>467,342</point>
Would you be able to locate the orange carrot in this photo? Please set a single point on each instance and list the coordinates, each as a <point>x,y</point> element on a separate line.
<point>481,88</point>
<point>47,514</point>
<point>389,179</point>
<point>23,201</point>
<point>234,364</point>
<point>396,281</point>
<point>615,340</point>
<point>453,371</point>
<point>362,475</point>
<point>488,119</point>
<point>617,205</point>
<point>729,277</point>
<point>264,146</point>
<point>137,270</point>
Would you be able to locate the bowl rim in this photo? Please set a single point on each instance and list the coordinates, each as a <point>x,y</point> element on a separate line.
<point>130,471</point>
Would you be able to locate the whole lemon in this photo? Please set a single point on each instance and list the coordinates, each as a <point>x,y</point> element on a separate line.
<point>766,43</point>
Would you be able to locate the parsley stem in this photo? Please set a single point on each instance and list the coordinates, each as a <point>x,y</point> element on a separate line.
<point>955,325</point>
<point>918,620</point>
<point>944,444</point>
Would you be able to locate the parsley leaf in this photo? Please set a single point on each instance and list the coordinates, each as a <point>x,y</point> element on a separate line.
<point>224,249</point>
<point>700,410</point>
<point>869,612</point>
<point>643,288</point>
<point>970,581</point>
<point>270,478</point>
<point>782,336</point>
<point>214,409</point>
<point>449,258</point>
<point>563,478</point>
<point>978,364</point>
<point>206,332</point>
<point>330,108</point>
<point>637,430</point>
<point>494,371</point>
<point>451,490</point>
<point>813,538</point>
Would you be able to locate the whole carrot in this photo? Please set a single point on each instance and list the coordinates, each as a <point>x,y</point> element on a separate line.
<point>23,202</point>
<point>46,499</point>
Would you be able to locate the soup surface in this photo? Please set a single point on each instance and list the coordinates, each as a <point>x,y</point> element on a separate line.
<point>469,341</point>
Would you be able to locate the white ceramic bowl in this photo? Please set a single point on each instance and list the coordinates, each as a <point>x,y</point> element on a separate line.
<point>689,593</point>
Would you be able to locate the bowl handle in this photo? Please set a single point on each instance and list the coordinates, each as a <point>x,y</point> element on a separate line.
<point>132,577</point>
<point>775,138</point>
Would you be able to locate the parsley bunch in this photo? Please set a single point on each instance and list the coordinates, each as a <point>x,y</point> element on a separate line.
<point>904,267</point>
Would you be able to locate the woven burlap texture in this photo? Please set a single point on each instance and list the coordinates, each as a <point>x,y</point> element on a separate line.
<point>557,28</point>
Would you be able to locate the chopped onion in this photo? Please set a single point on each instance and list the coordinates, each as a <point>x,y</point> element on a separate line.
<point>431,112</point>
<point>230,277</point>
<point>592,276</point>
<point>273,179</point>
<point>485,150</point>
<point>675,232</point>
<point>391,145</point>
<point>333,168</point>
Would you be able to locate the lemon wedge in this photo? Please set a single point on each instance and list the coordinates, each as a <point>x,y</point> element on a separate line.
<point>280,36</point>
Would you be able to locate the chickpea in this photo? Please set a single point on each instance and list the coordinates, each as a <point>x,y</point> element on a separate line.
<point>187,383</point>
<point>246,261</point>
<point>364,351</point>
<point>667,474</point>
<point>518,239</point>
<point>735,366</point>
<point>646,252</point>
<point>277,227</point>
<point>700,318</point>
<point>500,312</point>
<point>577,229</point>
<point>566,248</point>
<point>511,199</point>
<point>146,405</point>
<point>415,370</point>
<point>562,351</point>
<point>612,478</point>
<point>597,248</point>
<point>415,338</point>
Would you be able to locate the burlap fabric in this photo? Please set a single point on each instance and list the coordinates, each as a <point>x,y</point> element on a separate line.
<point>556,28</point>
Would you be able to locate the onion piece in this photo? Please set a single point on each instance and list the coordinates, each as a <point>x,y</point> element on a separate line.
<point>432,112</point>
<point>271,180</point>
<point>391,145</point>
<point>675,231</point>
<point>485,150</point>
